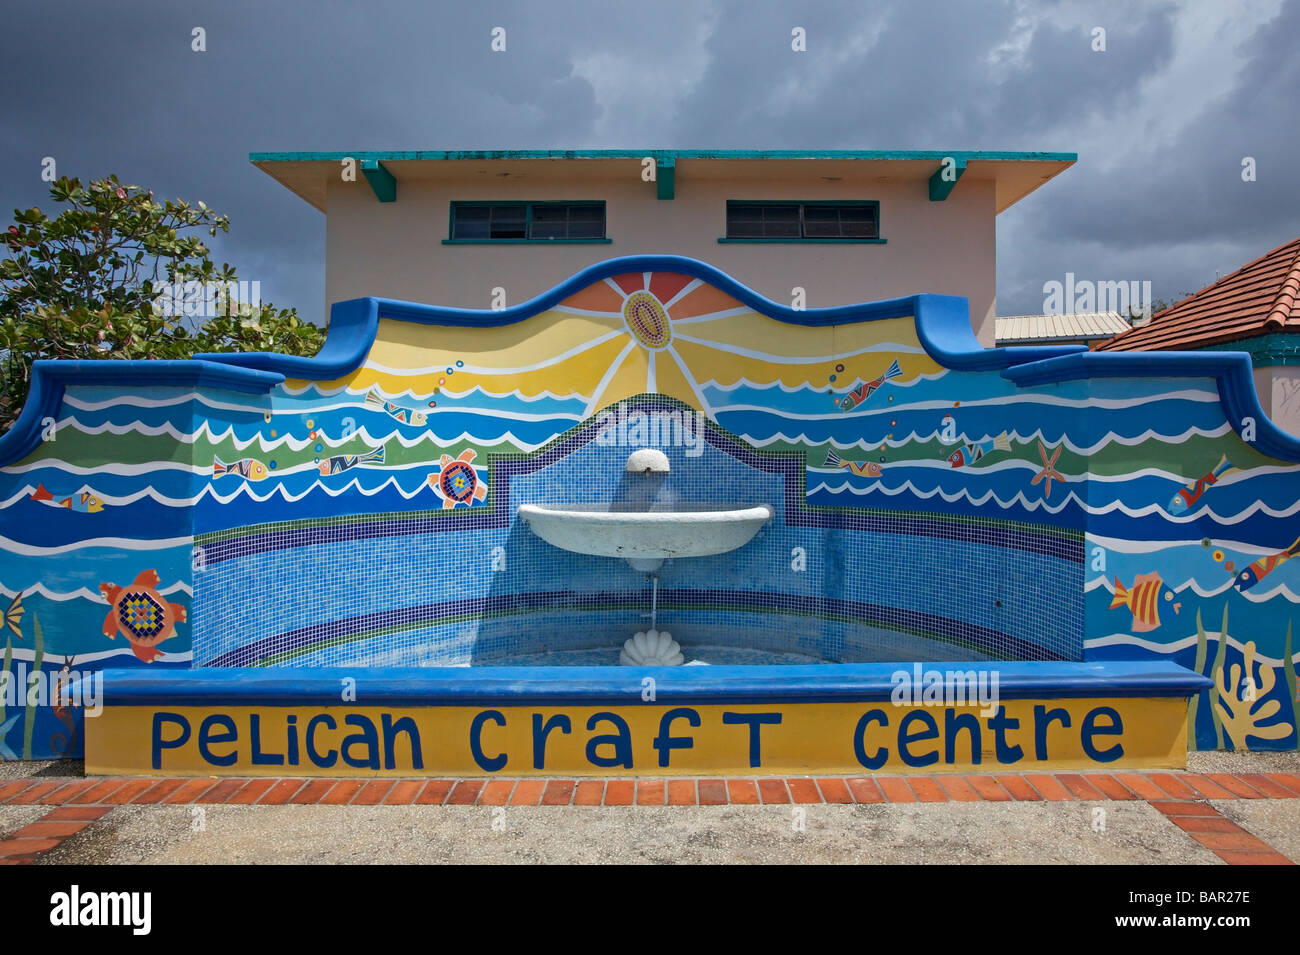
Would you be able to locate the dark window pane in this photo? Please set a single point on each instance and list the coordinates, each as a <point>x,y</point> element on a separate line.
<point>781,222</point>
<point>507,222</point>
<point>821,222</point>
<point>587,222</point>
<point>749,221</point>
<point>744,222</point>
<point>510,220</point>
<point>793,221</point>
<point>550,222</point>
<point>470,222</point>
<point>858,222</point>
<point>577,221</point>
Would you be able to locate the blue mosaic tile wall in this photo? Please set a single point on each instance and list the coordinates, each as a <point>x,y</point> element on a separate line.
<point>828,585</point>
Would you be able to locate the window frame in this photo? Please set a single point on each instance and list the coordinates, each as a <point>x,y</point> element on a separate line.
<point>528,205</point>
<point>801,204</point>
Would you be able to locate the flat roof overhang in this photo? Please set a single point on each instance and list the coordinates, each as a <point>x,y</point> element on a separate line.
<point>1014,174</point>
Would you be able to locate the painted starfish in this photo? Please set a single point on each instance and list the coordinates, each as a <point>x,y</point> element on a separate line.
<point>1048,474</point>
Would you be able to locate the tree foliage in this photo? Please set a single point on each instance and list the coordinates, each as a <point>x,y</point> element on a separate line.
<point>87,284</point>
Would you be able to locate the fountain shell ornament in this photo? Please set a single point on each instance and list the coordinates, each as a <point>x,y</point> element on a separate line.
<point>651,648</point>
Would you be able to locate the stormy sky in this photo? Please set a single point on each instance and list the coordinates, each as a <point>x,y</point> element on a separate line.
<point>1161,120</point>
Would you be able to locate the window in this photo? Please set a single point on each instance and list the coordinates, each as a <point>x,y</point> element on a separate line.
<point>527,222</point>
<point>803,221</point>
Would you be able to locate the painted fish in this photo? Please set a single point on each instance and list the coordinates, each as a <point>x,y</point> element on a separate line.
<point>1189,495</point>
<point>141,614</point>
<point>404,415</point>
<point>12,616</point>
<point>83,502</point>
<point>973,452</point>
<point>1143,599</point>
<point>1264,566</point>
<point>863,468</point>
<point>865,390</point>
<point>249,468</point>
<point>342,462</point>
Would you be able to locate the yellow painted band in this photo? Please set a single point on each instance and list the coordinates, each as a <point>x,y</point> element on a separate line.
<point>642,739</point>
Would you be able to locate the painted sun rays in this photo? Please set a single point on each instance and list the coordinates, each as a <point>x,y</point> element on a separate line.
<point>635,333</point>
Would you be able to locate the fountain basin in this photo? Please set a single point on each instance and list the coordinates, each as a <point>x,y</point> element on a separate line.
<point>645,538</point>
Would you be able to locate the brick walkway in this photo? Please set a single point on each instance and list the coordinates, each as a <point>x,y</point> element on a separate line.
<point>1180,796</point>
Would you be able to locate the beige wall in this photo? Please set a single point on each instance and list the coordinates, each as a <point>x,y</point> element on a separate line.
<point>395,250</point>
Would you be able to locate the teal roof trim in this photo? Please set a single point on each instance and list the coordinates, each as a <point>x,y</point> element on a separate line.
<point>927,155</point>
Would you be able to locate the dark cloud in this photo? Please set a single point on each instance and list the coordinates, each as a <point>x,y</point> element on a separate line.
<point>116,88</point>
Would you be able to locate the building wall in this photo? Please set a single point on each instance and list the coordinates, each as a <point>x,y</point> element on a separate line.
<point>395,249</point>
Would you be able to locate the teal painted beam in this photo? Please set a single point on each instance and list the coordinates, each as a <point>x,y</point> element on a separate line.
<point>666,176</point>
<point>930,155</point>
<point>382,183</point>
<point>940,187</point>
<point>1266,351</point>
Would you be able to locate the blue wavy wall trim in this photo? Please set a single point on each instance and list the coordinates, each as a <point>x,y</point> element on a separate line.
<point>1232,372</point>
<point>943,321</point>
<point>50,378</point>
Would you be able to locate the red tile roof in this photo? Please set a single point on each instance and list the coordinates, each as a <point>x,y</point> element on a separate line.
<point>1260,297</point>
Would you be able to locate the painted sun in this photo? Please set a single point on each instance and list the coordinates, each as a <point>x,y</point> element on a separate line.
<point>636,333</point>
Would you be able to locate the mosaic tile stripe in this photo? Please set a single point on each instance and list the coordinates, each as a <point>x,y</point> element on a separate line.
<point>936,627</point>
<point>1062,544</point>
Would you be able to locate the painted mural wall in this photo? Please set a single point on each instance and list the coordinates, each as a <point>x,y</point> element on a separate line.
<point>934,501</point>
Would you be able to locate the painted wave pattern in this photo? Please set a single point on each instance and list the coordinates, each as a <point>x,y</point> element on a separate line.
<point>894,450</point>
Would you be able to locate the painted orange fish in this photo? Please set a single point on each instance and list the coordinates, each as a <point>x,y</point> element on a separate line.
<point>1143,599</point>
<point>84,502</point>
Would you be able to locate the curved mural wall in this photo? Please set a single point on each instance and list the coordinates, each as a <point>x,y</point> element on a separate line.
<point>934,501</point>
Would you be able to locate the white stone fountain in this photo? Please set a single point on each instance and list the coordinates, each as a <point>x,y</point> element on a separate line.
<point>645,539</point>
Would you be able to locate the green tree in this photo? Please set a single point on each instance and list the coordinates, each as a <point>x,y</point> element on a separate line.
<point>88,284</point>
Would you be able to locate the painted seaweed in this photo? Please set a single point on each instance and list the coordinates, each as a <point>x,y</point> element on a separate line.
<point>29,721</point>
<point>1193,705</point>
<point>1288,670</point>
<point>1219,654</point>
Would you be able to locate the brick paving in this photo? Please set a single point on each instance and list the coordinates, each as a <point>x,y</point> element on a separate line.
<point>1179,796</point>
